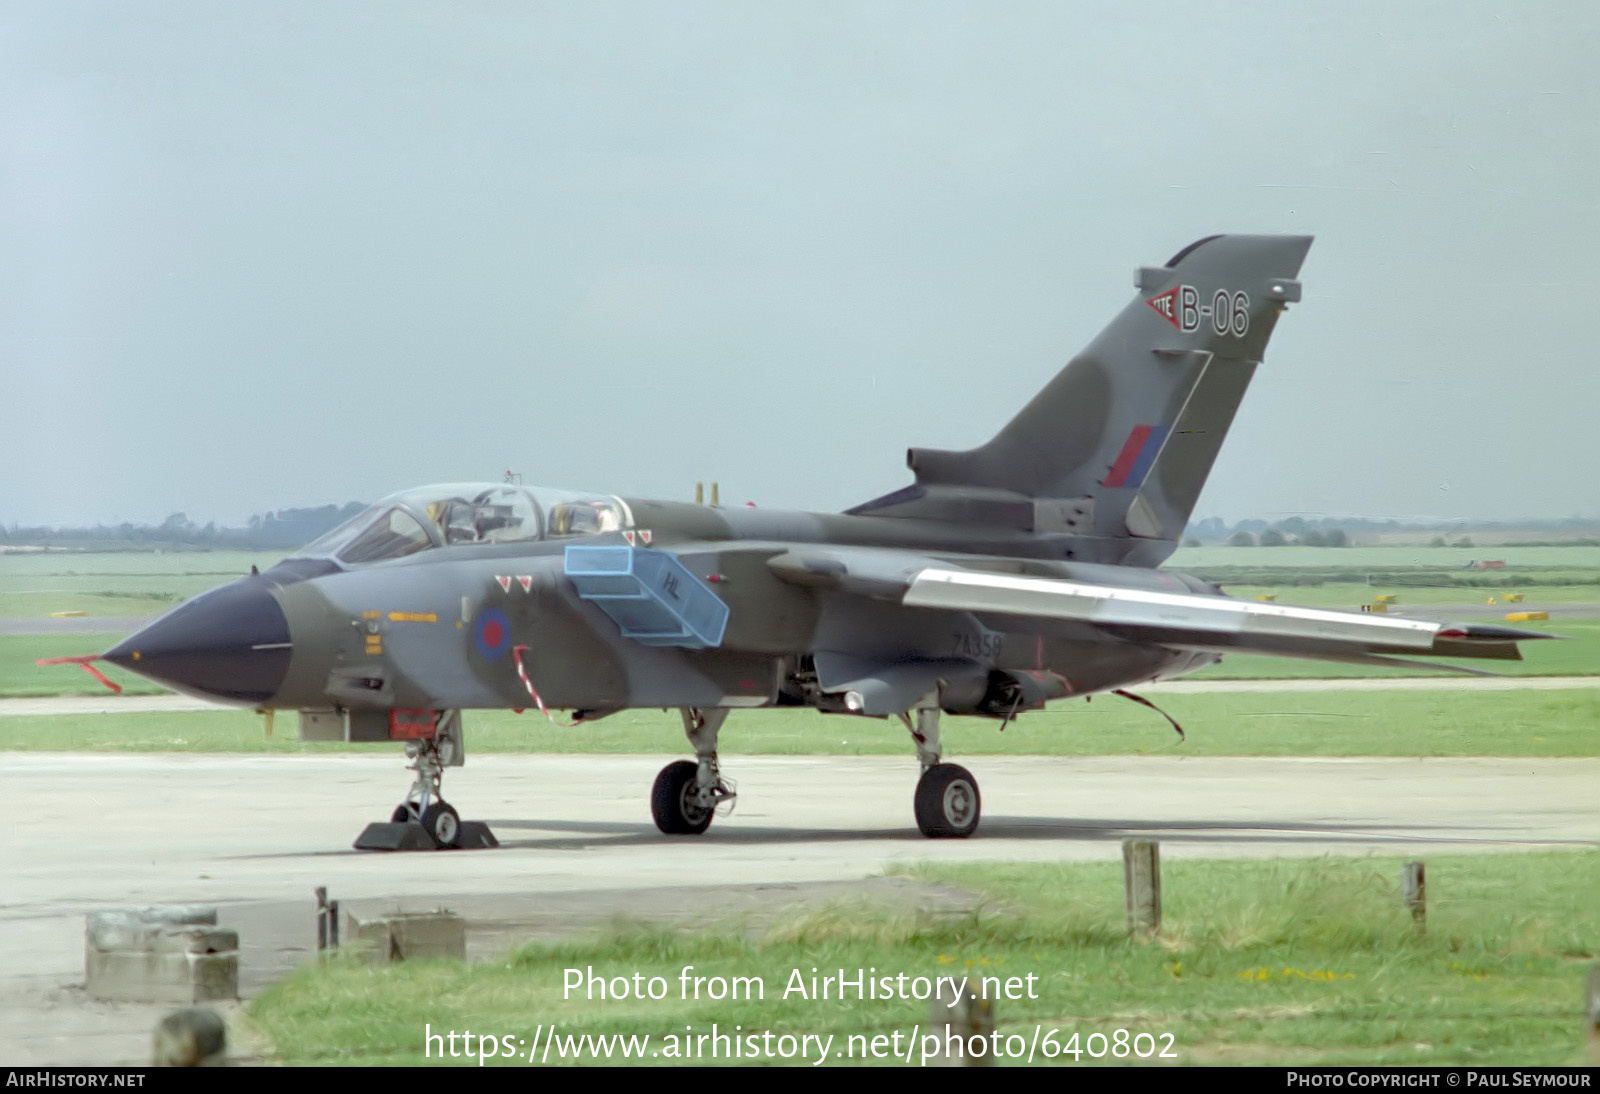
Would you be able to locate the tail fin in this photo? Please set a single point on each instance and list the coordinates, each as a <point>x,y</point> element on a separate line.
<point>1119,444</point>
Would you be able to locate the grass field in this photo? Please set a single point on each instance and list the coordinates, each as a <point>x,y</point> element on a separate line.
<point>1430,723</point>
<point>1356,559</point>
<point>1336,594</point>
<point>1312,962</point>
<point>19,675</point>
<point>128,583</point>
<point>34,565</point>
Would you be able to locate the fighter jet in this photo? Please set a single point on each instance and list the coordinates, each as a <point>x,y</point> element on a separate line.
<point>1002,578</point>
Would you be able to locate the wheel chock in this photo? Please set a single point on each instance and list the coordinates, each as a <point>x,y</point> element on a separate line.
<point>475,836</point>
<point>411,836</point>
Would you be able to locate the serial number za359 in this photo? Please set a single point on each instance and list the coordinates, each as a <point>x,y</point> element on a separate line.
<point>982,646</point>
<point>1228,312</point>
<point>1120,1044</point>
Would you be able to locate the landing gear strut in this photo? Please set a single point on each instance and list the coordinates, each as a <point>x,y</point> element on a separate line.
<point>687,792</point>
<point>423,803</point>
<point>946,802</point>
<point>424,821</point>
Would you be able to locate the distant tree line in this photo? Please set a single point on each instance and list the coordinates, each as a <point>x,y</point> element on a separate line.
<point>1344,531</point>
<point>280,530</point>
<point>1278,537</point>
<point>1289,532</point>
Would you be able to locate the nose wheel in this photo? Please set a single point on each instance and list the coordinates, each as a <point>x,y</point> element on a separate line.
<point>438,819</point>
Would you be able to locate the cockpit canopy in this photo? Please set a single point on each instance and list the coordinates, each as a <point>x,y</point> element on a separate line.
<point>459,514</point>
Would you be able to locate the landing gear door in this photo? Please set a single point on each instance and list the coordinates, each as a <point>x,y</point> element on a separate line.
<point>451,739</point>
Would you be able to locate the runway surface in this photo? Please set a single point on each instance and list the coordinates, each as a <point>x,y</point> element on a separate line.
<point>258,833</point>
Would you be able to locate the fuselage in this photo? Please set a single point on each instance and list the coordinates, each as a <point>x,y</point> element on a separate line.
<point>460,598</point>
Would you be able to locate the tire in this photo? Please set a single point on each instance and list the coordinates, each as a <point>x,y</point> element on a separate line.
<point>401,814</point>
<point>947,802</point>
<point>442,824</point>
<point>670,804</point>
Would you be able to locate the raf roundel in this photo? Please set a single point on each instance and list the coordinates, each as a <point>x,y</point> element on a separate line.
<point>492,634</point>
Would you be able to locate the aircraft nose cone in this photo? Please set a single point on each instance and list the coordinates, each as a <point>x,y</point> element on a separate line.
<point>230,643</point>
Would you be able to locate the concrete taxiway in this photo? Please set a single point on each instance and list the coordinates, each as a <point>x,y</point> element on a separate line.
<point>256,834</point>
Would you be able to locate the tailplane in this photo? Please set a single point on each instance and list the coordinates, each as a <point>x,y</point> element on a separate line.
<point>1118,445</point>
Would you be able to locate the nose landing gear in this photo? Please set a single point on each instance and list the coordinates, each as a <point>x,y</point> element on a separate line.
<point>424,821</point>
<point>424,805</point>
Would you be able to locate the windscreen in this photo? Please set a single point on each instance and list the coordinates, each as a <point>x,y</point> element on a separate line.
<point>394,534</point>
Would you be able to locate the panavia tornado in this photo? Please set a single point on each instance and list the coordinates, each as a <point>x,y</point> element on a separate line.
<point>1021,571</point>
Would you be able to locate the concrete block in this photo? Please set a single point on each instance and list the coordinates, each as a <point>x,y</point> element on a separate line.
<point>411,936</point>
<point>170,954</point>
<point>130,928</point>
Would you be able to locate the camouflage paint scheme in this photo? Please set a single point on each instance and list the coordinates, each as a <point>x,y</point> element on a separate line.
<point>1069,507</point>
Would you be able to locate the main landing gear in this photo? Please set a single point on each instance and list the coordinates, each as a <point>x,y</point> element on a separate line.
<point>424,821</point>
<point>687,792</point>
<point>947,803</point>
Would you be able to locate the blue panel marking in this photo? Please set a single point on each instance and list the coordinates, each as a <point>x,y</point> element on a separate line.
<point>649,594</point>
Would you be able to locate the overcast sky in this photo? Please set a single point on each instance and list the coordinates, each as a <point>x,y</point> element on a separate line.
<point>262,255</point>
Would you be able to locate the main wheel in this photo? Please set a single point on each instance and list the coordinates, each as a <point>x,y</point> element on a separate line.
<point>401,814</point>
<point>442,823</point>
<point>947,802</point>
<point>672,801</point>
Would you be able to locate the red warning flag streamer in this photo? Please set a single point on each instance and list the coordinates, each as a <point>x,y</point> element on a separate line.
<point>84,664</point>
<point>517,652</point>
